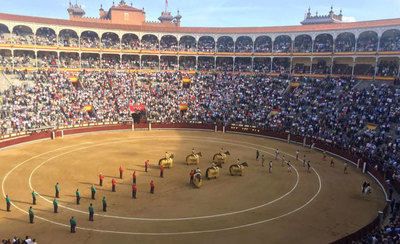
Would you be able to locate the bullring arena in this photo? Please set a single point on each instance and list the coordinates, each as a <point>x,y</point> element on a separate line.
<point>322,205</point>
<point>121,129</point>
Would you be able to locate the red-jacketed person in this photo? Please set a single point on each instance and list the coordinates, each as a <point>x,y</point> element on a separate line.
<point>101,179</point>
<point>134,177</point>
<point>121,171</point>
<point>152,186</point>
<point>146,165</point>
<point>113,183</point>
<point>161,171</point>
<point>134,190</point>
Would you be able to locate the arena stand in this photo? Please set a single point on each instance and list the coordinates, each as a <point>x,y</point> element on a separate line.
<point>323,145</point>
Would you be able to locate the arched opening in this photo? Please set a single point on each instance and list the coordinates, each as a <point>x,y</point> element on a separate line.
<point>130,61</point>
<point>283,44</point>
<point>321,66</point>
<point>388,67</point>
<point>168,63</point>
<point>342,66</point>
<point>24,58</point>
<point>206,63</point>
<point>281,65</point>
<point>68,38</point>
<point>47,59</point>
<point>243,64</point>
<point>130,42</point>
<point>69,60</point>
<point>323,43</point>
<point>206,44</point>
<point>244,44</point>
<point>110,40</point>
<point>110,61</point>
<point>390,41</point>
<point>6,58</point>
<point>150,42</point>
<point>4,34</point>
<point>263,44</point>
<point>302,44</point>
<point>364,67</point>
<point>23,35</point>
<point>262,64</point>
<point>150,62</point>
<point>187,63</point>
<point>90,60</point>
<point>187,44</point>
<point>224,64</point>
<point>90,39</point>
<point>225,44</point>
<point>367,42</point>
<point>169,43</point>
<point>301,65</point>
<point>345,42</point>
<point>46,37</point>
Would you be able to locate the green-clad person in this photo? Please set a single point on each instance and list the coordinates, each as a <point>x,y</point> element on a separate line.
<point>57,189</point>
<point>78,197</point>
<point>93,190</point>
<point>91,213</point>
<point>55,205</point>
<point>31,215</point>
<point>73,223</point>
<point>8,203</point>
<point>104,204</point>
<point>34,194</point>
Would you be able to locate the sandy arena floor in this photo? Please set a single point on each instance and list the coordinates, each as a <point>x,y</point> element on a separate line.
<point>281,207</point>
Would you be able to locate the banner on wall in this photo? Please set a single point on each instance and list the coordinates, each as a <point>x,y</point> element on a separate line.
<point>186,80</point>
<point>183,107</point>
<point>136,107</point>
<point>73,79</point>
<point>372,126</point>
<point>88,108</point>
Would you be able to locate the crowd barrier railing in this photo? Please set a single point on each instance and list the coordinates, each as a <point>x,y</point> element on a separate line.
<point>324,145</point>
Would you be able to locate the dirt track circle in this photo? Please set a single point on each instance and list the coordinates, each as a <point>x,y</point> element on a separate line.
<point>223,205</point>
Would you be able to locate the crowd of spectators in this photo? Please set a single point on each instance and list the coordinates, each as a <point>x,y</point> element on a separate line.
<point>390,43</point>
<point>244,45</point>
<point>17,240</point>
<point>90,40</point>
<point>283,44</point>
<point>206,44</point>
<point>46,37</point>
<point>331,109</point>
<point>26,59</point>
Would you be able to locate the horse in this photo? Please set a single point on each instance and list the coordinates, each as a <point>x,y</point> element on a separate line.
<point>197,180</point>
<point>237,169</point>
<point>212,172</point>
<point>193,158</point>
<point>167,162</point>
<point>220,158</point>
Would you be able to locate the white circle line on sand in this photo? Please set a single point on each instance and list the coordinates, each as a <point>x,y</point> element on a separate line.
<point>163,219</point>
<point>170,233</point>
